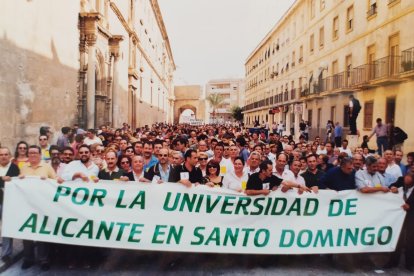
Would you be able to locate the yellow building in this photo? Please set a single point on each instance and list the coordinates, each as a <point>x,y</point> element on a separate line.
<point>322,51</point>
<point>90,62</point>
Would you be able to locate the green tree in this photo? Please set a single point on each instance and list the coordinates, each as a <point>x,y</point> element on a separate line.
<point>215,100</point>
<point>236,112</point>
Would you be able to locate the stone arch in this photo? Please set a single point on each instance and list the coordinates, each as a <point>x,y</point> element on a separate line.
<point>182,108</point>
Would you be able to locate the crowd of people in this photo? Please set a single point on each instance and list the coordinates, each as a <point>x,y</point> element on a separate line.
<point>230,157</point>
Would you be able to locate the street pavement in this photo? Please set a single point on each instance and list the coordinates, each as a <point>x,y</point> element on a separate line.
<point>128,262</point>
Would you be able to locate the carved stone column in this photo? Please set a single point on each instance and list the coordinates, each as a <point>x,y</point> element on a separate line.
<point>90,22</point>
<point>114,49</point>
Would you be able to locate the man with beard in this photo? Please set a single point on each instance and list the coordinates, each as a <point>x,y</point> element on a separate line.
<point>68,155</point>
<point>111,171</point>
<point>149,159</point>
<point>83,169</point>
<point>161,170</point>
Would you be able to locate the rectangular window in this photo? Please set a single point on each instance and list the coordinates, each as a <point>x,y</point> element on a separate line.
<point>310,117</point>
<point>346,116</point>
<point>335,28</point>
<point>321,37</point>
<point>350,19</point>
<point>301,54</point>
<point>390,110</point>
<point>322,4</point>
<point>370,60</point>
<point>334,67</point>
<point>318,126</point>
<point>333,114</point>
<point>312,9</point>
<point>312,43</point>
<point>394,50</point>
<point>348,69</point>
<point>372,8</point>
<point>368,113</point>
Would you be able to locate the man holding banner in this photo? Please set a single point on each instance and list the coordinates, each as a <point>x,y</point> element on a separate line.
<point>36,167</point>
<point>7,170</point>
<point>263,182</point>
<point>83,169</point>
<point>187,173</point>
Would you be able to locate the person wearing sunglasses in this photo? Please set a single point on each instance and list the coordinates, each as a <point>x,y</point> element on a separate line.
<point>83,169</point>
<point>202,162</point>
<point>161,170</point>
<point>124,163</point>
<point>21,154</point>
<point>45,147</point>
<point>129,151</point>
<point>213,178</point>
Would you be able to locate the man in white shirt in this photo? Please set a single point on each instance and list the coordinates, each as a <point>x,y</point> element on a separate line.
<point>91,138</point>
<point>225,164</point>
<point>370,180</point>
<point>392,167</point>
<point>345,148</point>
<point>83,169</point>
<point>253,163</point>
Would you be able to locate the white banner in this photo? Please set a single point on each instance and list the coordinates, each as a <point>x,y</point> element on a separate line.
<point>171,217</point>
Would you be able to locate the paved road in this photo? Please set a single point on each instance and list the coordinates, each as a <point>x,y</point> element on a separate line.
<point>126,262</point>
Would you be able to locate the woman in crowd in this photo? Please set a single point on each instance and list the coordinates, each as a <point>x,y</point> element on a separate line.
<point>129,151</point>
<point>21,154</point>
<point>236,180</point>
<point>124,163</point>
<point>202,162</point>
<point>213,177</point>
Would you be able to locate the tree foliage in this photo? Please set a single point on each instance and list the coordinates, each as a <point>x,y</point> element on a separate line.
<point>236,112</point>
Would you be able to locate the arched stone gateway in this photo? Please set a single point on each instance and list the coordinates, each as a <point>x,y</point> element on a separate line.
<point>185,112</point>
<point>189,98</point>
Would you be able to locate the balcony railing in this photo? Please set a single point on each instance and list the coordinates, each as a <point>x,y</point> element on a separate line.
<point>407,60</point>
<point>384,71</point>
<point>387,67</point>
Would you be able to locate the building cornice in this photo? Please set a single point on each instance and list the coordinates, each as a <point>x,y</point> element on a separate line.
<point>161,25</point>
<point>134,35</point>
<point>281,20</point>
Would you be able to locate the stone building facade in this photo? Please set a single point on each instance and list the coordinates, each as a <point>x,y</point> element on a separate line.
<point>322,51</point>
<point>90,62</point>
<point>232,94</point>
